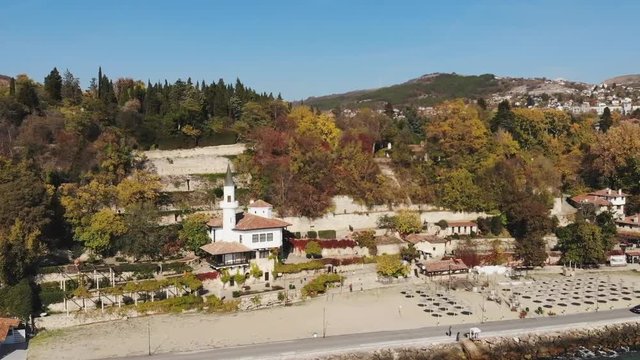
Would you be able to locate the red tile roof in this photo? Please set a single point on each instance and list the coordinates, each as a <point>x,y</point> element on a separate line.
<point>633,252</point>
<point>387,240</point>
<point>260,204</point>
<point>224,247</point>
<point>633,220</point>
<point>607,193</point>
<point>215,222</point>
<point>253,222</point>
<point>445,265</point>
<point>5,325</point>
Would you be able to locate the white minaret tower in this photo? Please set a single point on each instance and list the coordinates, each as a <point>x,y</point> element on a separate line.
<point>229,206</point>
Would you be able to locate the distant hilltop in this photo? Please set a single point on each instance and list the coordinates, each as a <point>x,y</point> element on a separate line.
<point>430,89</point>
<point>630,80</point>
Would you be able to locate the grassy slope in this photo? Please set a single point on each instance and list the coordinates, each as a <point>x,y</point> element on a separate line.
<point>423,91</point>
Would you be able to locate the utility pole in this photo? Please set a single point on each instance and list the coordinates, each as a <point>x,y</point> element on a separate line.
<point>324,322</point>
<point>149,336</point>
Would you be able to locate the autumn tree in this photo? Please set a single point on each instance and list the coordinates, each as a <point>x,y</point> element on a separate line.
<point>19,250</point>
<point>101,230</point>
<point>407,222</point>
<point>391,266</point>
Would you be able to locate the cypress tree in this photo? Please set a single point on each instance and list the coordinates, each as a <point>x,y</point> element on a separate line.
<point>606,120</point>
<point>12,87</point>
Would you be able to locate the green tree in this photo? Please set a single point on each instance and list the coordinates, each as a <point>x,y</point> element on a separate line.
<point>27,94</point>
<point>458,192</point>
<point>606,120</point>
<point>194,231</point>
<point>607,223</point>
<point>313,249</point>
<point>528,222</point>
<point>391,266</point>
<point>142,238</point>
<point>17,300</point>
<point>581,243</point>
<point>53,85</point>
<point>71,88</point>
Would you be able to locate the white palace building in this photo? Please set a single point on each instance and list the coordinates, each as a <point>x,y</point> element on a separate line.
<point>239,238</point>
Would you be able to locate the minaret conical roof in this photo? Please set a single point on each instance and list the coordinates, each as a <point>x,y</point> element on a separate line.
<point>228,180</point>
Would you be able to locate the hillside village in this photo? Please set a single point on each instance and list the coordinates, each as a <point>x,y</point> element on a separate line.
<point>140,217</point>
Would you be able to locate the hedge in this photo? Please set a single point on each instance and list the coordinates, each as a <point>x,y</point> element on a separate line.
<point>175,305</point>
<point>49,270</point>
<point>300,245</point>
<point>178,267</point>
<point>136,268</point>
<point>296,268</point>
<point>327,234</point>
<point>312,234</point>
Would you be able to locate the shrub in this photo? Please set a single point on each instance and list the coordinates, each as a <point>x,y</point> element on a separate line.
<point>297,235</point>
<point>281,296</point>
<point>327,234</point>
<point>497,225</point>
<point>50,293</point>
<point>313,250</point>
<point>256,300</point>
<point>225,277</point>
<point>312,234</point>
<point>239,278</point>
<point>484,225</point>
<point>236,293</point>
<point>319,284</point>
<point>218,305</point>
<point>255,271</point>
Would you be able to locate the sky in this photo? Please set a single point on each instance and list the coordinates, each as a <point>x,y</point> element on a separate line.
<point>304,48</point>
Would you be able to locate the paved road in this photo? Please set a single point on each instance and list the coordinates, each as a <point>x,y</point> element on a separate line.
<point>296,349</point>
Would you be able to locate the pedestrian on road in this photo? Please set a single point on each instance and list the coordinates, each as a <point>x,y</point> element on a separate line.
<point>350,287</point>
<point>458,336</point>
<point>449,332</point>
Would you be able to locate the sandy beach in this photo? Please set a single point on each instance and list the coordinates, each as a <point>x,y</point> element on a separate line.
<point>341,312</point>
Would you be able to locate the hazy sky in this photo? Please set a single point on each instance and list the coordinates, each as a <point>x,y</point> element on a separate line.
<point>303,48</point>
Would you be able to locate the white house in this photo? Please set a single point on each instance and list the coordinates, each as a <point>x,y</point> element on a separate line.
<point>461,228</point>
<point>602,200</point>
<point>239,238</point>
<point>429,247</point>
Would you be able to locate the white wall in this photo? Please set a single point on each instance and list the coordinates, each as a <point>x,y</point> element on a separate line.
<point>247,238</point>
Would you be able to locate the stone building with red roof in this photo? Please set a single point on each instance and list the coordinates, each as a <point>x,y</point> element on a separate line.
<point>239,238</point>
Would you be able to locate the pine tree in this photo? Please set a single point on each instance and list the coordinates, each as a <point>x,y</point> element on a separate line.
<point>53,85</point>
<point>606,120</point>
<point>71,88</point>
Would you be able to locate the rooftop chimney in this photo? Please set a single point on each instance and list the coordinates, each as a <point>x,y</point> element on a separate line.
<point>619,191</point>
<point>608,191</point>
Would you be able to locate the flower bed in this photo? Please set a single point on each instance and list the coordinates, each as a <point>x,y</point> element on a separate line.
<point>208,276</point>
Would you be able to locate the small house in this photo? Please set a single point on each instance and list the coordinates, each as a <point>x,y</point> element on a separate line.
<point>9,332</point>
<point>428,246</point>
<point>389,245</point>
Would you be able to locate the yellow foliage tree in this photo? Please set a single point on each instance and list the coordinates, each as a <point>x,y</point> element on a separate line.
<point>141,187</point>
<point>318,126</point>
